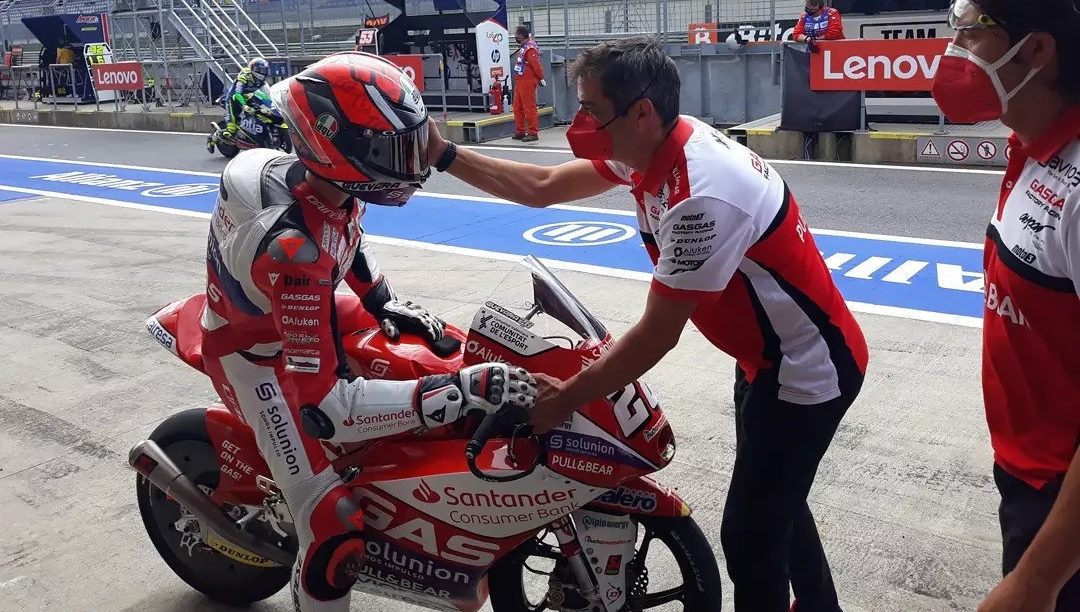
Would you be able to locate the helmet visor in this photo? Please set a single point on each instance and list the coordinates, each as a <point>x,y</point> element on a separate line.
<point>400,156</point>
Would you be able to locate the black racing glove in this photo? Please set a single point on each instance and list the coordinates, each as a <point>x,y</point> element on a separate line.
<point>395,316</point>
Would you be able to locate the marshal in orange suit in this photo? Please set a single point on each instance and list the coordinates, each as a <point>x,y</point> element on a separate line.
<point>528,73</point>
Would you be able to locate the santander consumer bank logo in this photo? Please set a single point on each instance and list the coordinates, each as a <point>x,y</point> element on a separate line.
<point>424,493</point>
<point>876,65</point>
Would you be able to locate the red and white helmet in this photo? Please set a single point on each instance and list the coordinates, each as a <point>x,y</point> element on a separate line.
<point>358,121</point>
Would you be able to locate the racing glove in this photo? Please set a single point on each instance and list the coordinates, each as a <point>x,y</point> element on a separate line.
<point>395,316</point>
<point>487,387</point>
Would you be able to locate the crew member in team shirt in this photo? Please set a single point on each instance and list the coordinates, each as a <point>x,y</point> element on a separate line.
<point>732,254</point>
<point>1017,61</point>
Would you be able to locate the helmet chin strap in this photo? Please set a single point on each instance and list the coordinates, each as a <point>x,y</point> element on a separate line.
<point>321,183</point>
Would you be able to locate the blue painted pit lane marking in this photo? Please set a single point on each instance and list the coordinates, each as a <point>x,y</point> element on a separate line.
<point>922,279</point>
<point>7,196</point>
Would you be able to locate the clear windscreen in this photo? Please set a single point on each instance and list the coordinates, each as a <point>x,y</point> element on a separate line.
<point>558,302</point>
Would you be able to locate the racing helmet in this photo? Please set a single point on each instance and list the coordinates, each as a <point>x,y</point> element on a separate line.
<point>358,122</point>
<point>260,69</point>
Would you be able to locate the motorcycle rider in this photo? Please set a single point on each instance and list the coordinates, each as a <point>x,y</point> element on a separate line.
<point>248,81</point>
<point>285,231</point>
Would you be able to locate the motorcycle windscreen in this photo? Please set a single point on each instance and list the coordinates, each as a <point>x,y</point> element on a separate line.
<point>557,301</point>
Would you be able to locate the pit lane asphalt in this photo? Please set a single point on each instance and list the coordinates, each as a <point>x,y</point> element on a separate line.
<point>895,201</point>
<point>904,499</point>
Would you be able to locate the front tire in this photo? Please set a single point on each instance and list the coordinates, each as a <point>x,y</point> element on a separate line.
<point>701,590</point>
<point>227,149</point>
<point>185,440</point>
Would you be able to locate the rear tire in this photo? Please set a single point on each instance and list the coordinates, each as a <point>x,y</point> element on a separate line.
<point>681,535</point>
<point>185,440</point>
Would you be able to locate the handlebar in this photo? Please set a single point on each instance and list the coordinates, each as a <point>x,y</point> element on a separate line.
<point>488,429</point>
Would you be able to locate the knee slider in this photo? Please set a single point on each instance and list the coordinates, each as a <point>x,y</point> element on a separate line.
<point>330,571</point>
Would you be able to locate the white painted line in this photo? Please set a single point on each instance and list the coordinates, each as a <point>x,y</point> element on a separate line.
<point>107,202</point>
<point>891,311</point>
<point>94,129</point>
<point>108,165</point>
<point>592,209</point>
<point>566,151</point>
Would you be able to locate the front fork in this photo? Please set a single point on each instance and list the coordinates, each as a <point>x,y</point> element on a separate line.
<point>570,546</point>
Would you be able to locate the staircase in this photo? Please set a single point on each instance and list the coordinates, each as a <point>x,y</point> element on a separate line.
<point>217,33</point>
<point>222,35</point>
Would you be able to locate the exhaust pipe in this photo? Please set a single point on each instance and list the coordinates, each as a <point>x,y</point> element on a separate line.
<point>149,460</point>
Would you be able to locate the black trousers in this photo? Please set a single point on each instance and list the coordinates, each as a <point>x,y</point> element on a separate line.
<point>768,532</point>
<point>1022,512</point>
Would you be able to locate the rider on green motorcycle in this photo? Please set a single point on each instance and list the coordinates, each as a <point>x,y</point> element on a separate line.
<point>237,101</point>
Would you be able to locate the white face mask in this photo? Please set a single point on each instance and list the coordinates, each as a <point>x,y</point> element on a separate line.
<point>965,79</point>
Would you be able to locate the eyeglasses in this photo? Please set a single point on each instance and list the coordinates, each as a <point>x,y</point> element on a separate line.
<point>967,15</point>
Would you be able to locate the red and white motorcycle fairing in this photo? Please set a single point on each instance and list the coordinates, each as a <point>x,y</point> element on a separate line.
<point>433,529</point>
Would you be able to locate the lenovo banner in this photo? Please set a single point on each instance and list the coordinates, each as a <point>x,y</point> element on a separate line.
<point>412,65</point>
<point>876,65</point>
<point>120,76</point>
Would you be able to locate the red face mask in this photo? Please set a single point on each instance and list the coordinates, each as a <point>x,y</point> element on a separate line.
<point>968,88</point>
<point>588,139</point>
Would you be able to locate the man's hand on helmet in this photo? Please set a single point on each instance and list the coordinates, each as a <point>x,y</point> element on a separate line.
<point>487,387</point>
<point>436,144</point>
<point>409,318</point>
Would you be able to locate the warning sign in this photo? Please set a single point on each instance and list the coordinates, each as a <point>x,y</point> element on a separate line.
<point>958,150</point>
<point>986,150</point>
<point>977,151</point>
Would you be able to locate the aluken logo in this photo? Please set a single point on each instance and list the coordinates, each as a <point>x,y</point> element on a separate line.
<point>424,493</point>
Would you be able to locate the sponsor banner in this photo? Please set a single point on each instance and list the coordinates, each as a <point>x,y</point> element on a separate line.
<point>492,52</point>
<point>632,500</point>
<point>118,76</point>
<point>935,278</point>
<point>377,22</point>
<point>906,30</point>
<point>876,65</point>
<point>388,563</point>
<point>412,65</point>
<point>491,509</point>
<point>572,443</point>
<point>703,33</point>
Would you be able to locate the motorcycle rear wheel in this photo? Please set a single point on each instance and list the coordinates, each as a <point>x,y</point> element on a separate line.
<point>185,440</point>
<point>700,591</point>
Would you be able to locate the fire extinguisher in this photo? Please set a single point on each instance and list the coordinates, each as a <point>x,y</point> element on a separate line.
<point>496,106</point>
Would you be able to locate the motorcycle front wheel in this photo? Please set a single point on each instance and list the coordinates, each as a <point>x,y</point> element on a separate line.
<point>227,149</point>
<point>176,534</point>
<point>515,582</point>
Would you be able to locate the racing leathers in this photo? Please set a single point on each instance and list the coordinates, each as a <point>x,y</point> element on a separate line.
<point>275,254</point>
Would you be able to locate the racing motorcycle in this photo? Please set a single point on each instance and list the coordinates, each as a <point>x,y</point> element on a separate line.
<point>481,508</point>
<point>263,129</point>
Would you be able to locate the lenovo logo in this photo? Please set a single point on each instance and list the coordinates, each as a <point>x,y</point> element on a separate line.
<point>876,65</point>
<point>121,76</point>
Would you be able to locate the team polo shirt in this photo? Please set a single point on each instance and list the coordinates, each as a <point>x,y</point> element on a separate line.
<point>1031,323</point>
<point>722,229</point>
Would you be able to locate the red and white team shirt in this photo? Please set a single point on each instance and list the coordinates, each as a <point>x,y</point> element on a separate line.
<point>1031,324</point>
<point>722,228</point>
